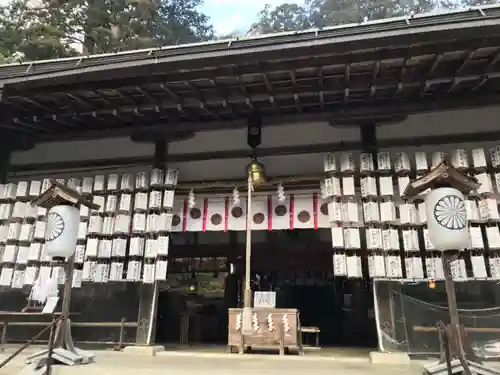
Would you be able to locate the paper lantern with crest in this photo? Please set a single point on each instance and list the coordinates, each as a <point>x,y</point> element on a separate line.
<point>63,218</point>
<point>445,205</point>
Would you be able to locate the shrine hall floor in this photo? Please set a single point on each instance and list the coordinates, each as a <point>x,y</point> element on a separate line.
<point>197,363</point>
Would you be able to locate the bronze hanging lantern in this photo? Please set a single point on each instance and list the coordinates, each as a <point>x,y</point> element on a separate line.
<point>257,172</point>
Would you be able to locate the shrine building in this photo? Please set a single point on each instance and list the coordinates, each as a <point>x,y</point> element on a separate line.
<point>341,119</point>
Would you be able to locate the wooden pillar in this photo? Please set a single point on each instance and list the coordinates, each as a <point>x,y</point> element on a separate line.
<point>368,135</point>
<point>363,300</point>
<point>148,293</point>
<point>7,145</point>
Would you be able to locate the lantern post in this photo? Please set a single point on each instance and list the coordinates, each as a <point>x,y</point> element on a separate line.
<point>255,176</point>
<point>445,189</point>
<point>63,218</point>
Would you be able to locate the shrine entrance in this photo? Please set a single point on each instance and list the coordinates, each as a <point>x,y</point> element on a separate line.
<point>296,264</point>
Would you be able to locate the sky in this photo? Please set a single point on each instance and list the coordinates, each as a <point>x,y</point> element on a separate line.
<point>228,16</point>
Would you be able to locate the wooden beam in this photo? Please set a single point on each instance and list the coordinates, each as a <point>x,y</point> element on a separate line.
<point>43,168</point>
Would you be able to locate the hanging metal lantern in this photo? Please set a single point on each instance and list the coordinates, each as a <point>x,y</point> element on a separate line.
<point>257,172</point>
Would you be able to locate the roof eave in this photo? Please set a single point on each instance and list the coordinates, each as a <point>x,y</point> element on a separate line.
<point>377,34</point>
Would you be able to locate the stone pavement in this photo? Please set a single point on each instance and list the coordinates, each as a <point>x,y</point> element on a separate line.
<point>116,363</point>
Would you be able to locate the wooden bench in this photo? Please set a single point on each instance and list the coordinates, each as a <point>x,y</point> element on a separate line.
<point>312,330</point>
<point>121,324</point>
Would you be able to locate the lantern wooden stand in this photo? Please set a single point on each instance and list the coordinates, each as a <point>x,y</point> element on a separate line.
<point>63,211</point>
<point>448,232</point>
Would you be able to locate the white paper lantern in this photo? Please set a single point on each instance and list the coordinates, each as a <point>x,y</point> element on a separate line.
<point>460,159</point>
<point>374,239</point>
<point>366,163</point>
<point>472,210</point>
<point>22,189</point>
<point>4,232</point>
<point>99,183</point>
<point>331,187</point>
<point>476,238</point>
<point>390,239</point>
<point>493,237</point>
<point>116,271</point>
<point>101,202</point>
<point>112,182</point>
<point>495,157</point>
<point>62,230</point>
<point>387,212</point>
<point>330,163</point>
<point>354,270</point>
<point>347,162</point>
<point>161,270</point>
<point>111,203</point>
<point>368,186</point>
<point>105,249</point>
<point>126,183</point>
<point>393,267</point>
<point>376,265</point>
<point>141,201</point>
<point>155,198</point>
<point>171,177</point>
<point>339,264</point>
<point>141,180</point>
<point>386,186</point>
<point>119,247</point>
<point>486,186</point>
<point>157,177</point>
<point>403,182</point>
<point>163,244</point>
<point>335,212</point>
<point>401,162</point>
<point>80,254</point>
<point>352,239</point>
<point>437,158</point>
<point>35,187</point>
<point>478,266</point>
<point>350,212</point>
<point>371,212</point>
<point>337,237</point>
<point>384,161</point>
<point>421,164</point>
<point>348,186</point>
<point>479,158</point>
<point>447,219</point>
<point>92,247</point>
<point>10,191</point>
<point>168,197</point>
<point>77,279</point>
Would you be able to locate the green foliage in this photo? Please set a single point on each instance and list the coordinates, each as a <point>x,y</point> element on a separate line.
<point>324,13</point>
<point>24,36</point>
<point>53,28</point>
<point>285,17</point>
<point>46,29</point>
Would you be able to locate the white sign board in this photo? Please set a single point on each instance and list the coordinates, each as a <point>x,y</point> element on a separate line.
<point>264,299</point>
<point>50,305</point>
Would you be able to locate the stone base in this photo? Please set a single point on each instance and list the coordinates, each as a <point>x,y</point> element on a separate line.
<point>144,350</point>
<point>378,358</point>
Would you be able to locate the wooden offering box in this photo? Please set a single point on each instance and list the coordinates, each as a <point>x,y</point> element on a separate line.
<point>275,329</point>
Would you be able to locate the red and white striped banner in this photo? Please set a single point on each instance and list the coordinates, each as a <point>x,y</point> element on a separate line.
<point>297,211</point>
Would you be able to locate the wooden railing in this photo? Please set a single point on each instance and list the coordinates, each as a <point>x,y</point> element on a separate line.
<point>467,329</point>
<point>121,324</point>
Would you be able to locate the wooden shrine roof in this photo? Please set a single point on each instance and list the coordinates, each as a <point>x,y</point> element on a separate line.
<point>350,74</point>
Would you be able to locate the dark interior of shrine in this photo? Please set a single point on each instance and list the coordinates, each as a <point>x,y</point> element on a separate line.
<point>296,264</point>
